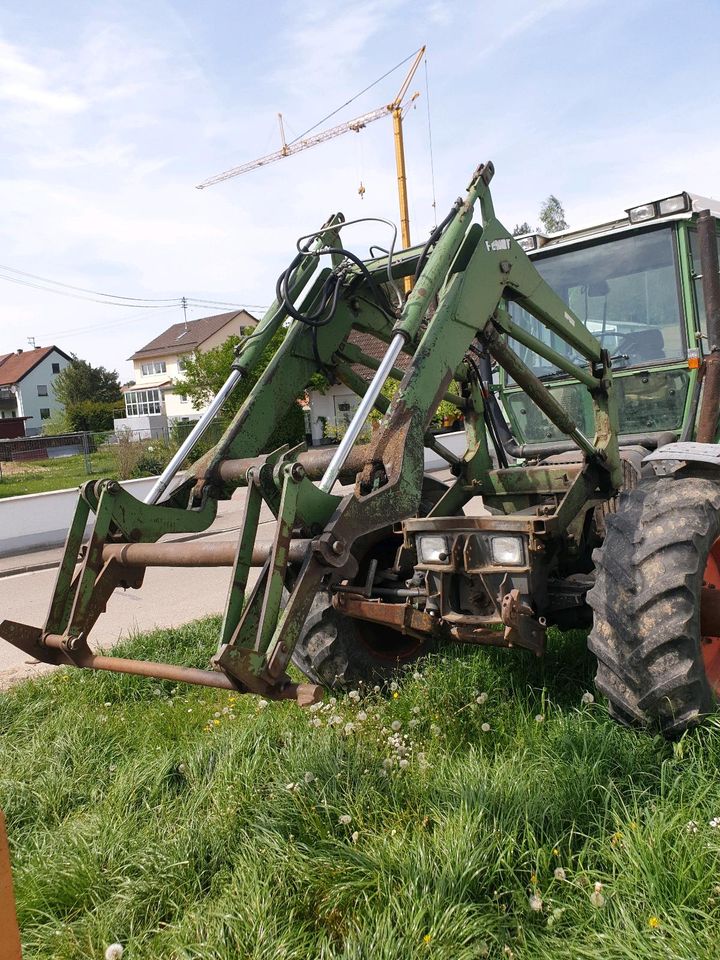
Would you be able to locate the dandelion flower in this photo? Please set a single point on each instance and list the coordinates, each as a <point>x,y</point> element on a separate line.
<point>404,764</point>
<point>354,695</point>
<point>485,728</point>
<point>393,686</point>
<point>417,675</point>
<point>596,897</point>
<point>348,728</point>
<point>344,819</point>
<point>556,852</point>
<point>559,873</point>
<point>653,923</point>
<point>536,903</point>
<point>434,729</point>
<point>481,698</point>
<point>309,777</point>
<point>114,951</point>
<point>416,710</point>
<point>262,704</point>
<point>427,938</point>
<point>181,768</point>
<point>395,695</point>
<point>396,725</point>
<point>587,698</point>
<point>362,716</point>
<point>539,718</point>
<point>376,688</point>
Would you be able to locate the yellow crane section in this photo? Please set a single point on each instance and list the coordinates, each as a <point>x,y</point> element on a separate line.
<point>396,108</point>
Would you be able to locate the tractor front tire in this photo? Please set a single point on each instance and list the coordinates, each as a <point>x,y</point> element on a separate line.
<point>661,549</point>
<point>341,652</point>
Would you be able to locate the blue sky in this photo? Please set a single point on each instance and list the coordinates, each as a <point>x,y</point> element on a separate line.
<point>112,112</point>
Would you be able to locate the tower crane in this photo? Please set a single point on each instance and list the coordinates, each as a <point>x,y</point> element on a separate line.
<point>396,108</point>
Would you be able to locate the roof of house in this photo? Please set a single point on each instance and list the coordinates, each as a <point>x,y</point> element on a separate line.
<point>186,337</point>
<point>15,366</point>
<point>372,347</point>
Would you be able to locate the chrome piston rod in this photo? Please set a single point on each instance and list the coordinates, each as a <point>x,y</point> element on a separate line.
<point>166,477</point>
<point>362,412</point>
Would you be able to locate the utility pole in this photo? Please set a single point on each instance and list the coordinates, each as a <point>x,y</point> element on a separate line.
<point>184,306</point>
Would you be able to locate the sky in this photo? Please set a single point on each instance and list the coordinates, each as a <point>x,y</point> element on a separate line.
<point>111,114</point>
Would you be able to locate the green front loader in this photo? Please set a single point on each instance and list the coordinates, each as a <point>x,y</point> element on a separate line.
<point>586,369</point>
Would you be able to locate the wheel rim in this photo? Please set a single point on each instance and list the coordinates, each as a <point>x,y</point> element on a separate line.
<point>711,644</point>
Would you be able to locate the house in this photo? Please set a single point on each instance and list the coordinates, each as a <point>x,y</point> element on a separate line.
<point>26,388</point>
<point>156,399</point>
<point>331,411</point>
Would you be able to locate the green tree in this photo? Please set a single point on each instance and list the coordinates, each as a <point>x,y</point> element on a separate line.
<point>552,215</point>
<point>520,228</point>
<point>89,395</point>
<point>206,372</point>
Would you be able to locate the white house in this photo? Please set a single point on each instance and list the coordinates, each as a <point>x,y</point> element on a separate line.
<point>26,385</point>
<point>156,398</point>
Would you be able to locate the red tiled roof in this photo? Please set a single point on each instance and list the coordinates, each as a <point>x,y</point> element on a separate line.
<point>15,366</point>
<point>186,337</point>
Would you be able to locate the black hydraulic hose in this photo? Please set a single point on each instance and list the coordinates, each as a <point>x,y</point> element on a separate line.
<point>435,236</point>
<point>508,441</point>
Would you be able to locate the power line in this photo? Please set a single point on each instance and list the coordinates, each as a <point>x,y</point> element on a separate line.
<point>70,286</point>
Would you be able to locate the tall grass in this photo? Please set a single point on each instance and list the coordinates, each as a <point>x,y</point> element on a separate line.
<point>187,823</point>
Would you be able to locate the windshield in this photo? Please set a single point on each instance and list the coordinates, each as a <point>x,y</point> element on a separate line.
<point>625,291</point>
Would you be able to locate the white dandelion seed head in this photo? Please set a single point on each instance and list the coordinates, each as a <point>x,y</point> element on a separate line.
<point>393,686</point>
<point>114,951</point>
<point>481,698</point>
<point>485,728</point>
<point>387,763</point>
<point>404,764</point>
<point>691,826</point>
<point>354,695</point>
<point>348,728</point>
<point>434,729</point>
<point>597,899</point>
<point>355,836</point>
<point>376,688</point>
<point>715,823</point>
<point>362,716</point>
<point>539,718</point>
<point>344,819</point>
<point>309,777</point>
<point>292,787</point>
<point>316,722</point>
<point>597,886</point>
<point>536,903</point>
<point>587,698</point>
<point>262,704</point>
<point>417,675</point>
<point>396,725</point>
<point>559,873</point>
<point>181,768</point>
<point>416,710</point>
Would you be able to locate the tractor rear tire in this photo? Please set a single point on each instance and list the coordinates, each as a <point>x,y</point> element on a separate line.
<point>661,548</point>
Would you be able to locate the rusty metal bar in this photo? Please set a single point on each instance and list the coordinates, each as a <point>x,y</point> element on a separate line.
<point>710,408</point>
<point>9,933</point>
<point>303,693</point>
<point>314,462</point>
<point>192,554</point>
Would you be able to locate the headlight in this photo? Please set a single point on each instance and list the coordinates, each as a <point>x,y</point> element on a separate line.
<point>646,211</point>
<point>433,550</point>
<point>676,204</point>
<point>507,551</point>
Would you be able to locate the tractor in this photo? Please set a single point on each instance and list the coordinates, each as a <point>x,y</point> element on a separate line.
<point>586,368</point>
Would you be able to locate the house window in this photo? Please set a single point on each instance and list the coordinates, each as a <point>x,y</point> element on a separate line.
<point>44,413</point>
<point>182,363</point>
<point>141,402</point>
<point>56,368</point>
<point>157,366</point>
<point>42,390</point>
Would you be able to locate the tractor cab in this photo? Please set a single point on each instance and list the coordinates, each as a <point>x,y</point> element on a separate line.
<point>636,285</point>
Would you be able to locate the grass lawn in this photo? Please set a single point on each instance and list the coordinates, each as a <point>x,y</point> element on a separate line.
<point>187,823</point>
<point>39,476</point>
